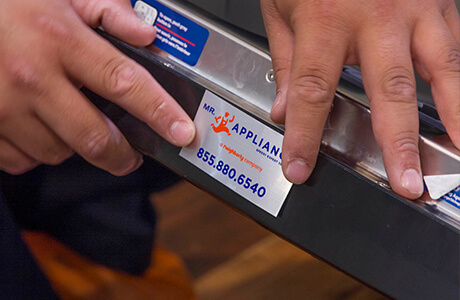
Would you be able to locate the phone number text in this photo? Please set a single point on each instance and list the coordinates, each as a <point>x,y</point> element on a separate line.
<point>231,173</point>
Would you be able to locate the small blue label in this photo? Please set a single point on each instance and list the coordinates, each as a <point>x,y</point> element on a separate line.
<point>176,34</point>
<point>453,197</point>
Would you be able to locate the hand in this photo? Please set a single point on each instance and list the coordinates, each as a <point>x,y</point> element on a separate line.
<point>310,41</point>
<point>48,51</point>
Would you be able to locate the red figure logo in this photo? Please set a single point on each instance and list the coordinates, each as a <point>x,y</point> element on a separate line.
<point>222,127</point>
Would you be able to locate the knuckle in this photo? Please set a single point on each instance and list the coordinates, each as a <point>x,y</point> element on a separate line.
<point>120,77</point>
<point>56,30</point>
<point>156,109</point>
<point>111,14</point>
<point>398,84</point>
<point>330,10</point>
<point>95,145</point>
<point>383,11</point>
<point>405,142</point>
<point>94,12</point>
<point>281,66</point>
<point>450,61</point>
<point>23,74</point>
<point>313,88</point>
<point>88,11</point>
<point>330,16</point>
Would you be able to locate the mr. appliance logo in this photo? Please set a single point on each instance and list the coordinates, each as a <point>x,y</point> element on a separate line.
<point>226,123</point>
<point>222,122</point>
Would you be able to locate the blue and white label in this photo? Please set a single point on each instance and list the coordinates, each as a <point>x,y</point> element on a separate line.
<point>176,34</point>
<point>445,187</point>
<point>453,197</point>
<point>240,152</point>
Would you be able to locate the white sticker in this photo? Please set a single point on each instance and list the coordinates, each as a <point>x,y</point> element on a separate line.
<point>240,152</point>
<point>439,185</point>
<point>146,12</point>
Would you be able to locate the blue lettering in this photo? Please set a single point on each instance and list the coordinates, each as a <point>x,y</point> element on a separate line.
<point>275,151</point>
<point>254,138</point>
<point>261,141</point>
<point>267,146</point>
<point>207,107</point>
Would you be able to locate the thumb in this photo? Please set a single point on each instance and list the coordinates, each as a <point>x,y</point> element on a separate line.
<point>118,18</point>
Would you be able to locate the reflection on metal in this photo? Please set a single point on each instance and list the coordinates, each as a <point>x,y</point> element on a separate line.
<point>229,65</point>
<point>243,74</point>
<point>270,76</point>
<point>346,213</point>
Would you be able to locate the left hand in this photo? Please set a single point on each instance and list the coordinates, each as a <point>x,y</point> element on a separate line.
<point>47,52</point>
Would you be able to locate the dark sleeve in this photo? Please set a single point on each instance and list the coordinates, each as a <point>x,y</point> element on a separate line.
<point>106,218</point>
<point>20,277</point>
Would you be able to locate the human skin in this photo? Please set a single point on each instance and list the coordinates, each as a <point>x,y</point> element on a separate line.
<point>311,40</point>
<point>47,52</point>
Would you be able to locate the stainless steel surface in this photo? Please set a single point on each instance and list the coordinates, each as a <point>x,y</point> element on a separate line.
<point>242,74</point>
<point>439,156</point>
<point>352,222</point>
<point>236,69</point>
<point>348,138</point>
<point>346,213</point>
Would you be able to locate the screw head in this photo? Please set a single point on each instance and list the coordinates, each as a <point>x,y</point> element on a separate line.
<point>270,76</point>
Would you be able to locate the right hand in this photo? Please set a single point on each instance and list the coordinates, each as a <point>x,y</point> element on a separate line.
<point>48,51</point>
<point>311,40</point>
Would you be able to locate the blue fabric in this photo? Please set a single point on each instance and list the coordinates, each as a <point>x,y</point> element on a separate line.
<point>106,218</point>
<point>20,277</point>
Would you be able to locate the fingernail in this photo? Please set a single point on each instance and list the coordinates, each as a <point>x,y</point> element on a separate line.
<point>146,25</point>
<point>297,171</point>
<point>412,181</point>
<point>143,23</point>
<point>182,132</point>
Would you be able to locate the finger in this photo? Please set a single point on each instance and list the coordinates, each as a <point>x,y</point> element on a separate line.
<point>107,72</point>
<point>86,130</point>
<point>390,85</point>
<point>452,18</point>
<point>317,62</point>
<point>437,55</point>
<point>13,160</point>
<point>36,140</point>
<point>118,18</point>
<point>281,40</point>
